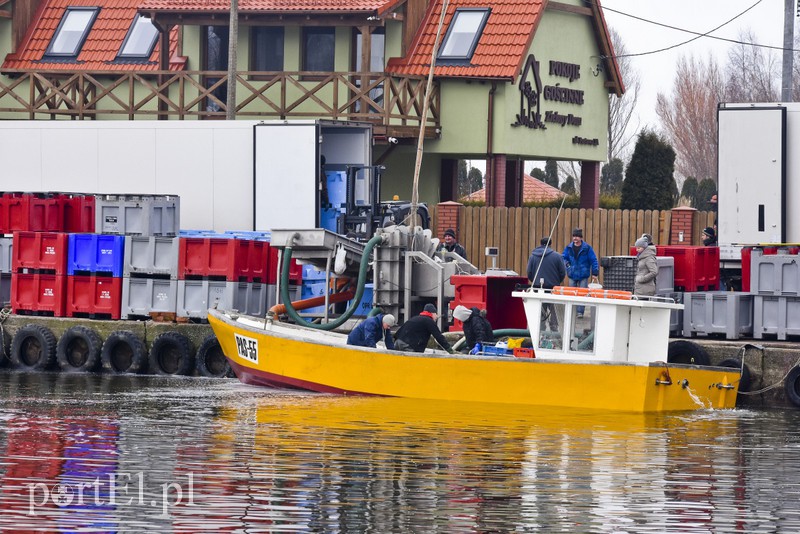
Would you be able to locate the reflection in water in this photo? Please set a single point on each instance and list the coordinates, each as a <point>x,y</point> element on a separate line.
<point>100,453</point>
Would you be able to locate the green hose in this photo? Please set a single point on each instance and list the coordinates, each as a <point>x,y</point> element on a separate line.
<point>501,332</point>
<point>362,280</point>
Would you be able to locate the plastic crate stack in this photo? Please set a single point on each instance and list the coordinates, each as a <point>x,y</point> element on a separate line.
<point>227,270</point>
<point>6,260</point>
<point>150,277</point>
<point>774,283</point>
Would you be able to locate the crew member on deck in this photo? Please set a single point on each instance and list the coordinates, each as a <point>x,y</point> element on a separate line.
<point>368,333</point>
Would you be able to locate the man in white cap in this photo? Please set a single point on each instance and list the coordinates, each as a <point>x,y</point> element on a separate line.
<point>368,333</point>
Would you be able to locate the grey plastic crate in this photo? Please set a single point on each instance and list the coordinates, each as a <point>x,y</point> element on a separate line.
<point>272,294</point>
<point>141,296</point>
<point>151,256</point>
<point>718,312</point>
<point>675,316</point>
<point>665,280</point>
<point>776,315</point>
<point>777,274</point>
<point>196,296</point>
<point>6,252</point>
<point>5,289</point>
<point>146,215</point>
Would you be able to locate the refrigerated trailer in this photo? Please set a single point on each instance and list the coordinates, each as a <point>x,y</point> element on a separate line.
<point>230,175</point>
<point>759,177</point>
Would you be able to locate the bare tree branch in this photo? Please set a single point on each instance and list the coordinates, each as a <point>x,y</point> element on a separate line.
<point>621,110</point>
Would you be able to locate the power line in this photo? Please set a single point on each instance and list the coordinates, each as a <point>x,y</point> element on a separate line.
<point>697,34</point>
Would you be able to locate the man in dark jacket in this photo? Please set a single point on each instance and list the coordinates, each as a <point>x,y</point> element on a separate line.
<point>709,237</point>
<point>450,244</point>
<point>369,332</point>
<point>415,333</point>
<point>545,266</point>
<point>477,329</point>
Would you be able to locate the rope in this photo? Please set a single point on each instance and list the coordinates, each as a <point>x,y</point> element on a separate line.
<point>773,386</point>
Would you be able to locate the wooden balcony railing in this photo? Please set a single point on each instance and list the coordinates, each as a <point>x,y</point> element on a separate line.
<point>393,104</point>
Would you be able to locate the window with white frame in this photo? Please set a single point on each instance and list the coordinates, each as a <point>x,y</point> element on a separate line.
<point>463,34</point>
<point>71,32</point>
<point>141,39</point>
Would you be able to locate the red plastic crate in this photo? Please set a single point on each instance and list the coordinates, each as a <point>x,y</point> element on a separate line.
<point>94,296</point>
<point>696,268</point>
<point>257,264</point>
<point>524,353</point>
<point>32,293</point>
<point>492,293</point>
<point>78,213</point>
<point>45,251</point>
<point>212,257</point>
<point>295,269</point>
<point>34,212</point>
<point>747,253</point>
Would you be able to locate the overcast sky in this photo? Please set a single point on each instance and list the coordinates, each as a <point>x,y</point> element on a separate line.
<point>656,70</point>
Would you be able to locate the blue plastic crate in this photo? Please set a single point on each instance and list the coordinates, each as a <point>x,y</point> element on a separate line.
<point>337,188</point>
<point>310,273</point>
<point>312,289</point>
<point>329,218</point>
<point>96,254</point>
<point>365,306</point>
<point>496,351</point>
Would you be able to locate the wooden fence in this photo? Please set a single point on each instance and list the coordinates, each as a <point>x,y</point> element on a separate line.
<point>517,231</point>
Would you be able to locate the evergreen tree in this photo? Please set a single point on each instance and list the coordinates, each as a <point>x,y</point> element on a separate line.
<point>539,174</point>
<point>611,177</point>
<point>475,179</point>
<point>551,172</point>
<point>689,190</point>
<point>462,182</point>
<point>569,186</point>
<point>649,183</point>
<point>705,190</point>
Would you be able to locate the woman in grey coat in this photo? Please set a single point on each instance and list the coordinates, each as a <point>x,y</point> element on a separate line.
<point>646,269</point>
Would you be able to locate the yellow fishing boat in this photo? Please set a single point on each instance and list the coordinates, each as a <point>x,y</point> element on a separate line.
<point>595,350</point>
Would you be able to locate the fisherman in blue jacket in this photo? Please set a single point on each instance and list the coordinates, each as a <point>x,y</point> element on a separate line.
<point>581,262</point>
<point>374,329</point>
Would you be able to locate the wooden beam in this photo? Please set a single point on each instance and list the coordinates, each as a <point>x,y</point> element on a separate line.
<point>578,10</point>
<point>5,14</point>
<point>259,19</point>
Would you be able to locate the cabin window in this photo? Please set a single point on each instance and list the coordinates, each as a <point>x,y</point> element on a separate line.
<point>71,32</point>
<point>267,49</point>
<point>141,39</point>
<point>583,329</point>
<point>551,327</point>
<point>463,34</point>
<point>318,49</point>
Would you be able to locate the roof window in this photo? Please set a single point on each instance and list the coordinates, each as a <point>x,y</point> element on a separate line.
<point>141,39</point>
<point>463,34</point>
<point>71,32</point>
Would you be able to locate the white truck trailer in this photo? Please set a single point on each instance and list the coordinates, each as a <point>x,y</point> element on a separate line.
<point>759,177</point>
<point>230,175</point>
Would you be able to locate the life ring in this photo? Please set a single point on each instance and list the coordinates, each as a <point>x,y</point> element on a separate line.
<point>123,352</point>
<point>687,352</point>
<point>211,361</point>
<point>79,350</point>
<point>570,291</point>
<point>733,363</point>
<point>792,386</point>
<point>171,354</point>
<point>33,348</point>
<point>610,294</point>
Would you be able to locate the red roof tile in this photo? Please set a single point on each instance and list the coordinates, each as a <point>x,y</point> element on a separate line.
<point>502,46</point>
<point>271,6</point>
<point>533,190</point>
<point>102,44</point>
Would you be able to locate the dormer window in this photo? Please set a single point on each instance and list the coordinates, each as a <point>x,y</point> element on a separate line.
<point>71,32</point>
<point>463,34</point>
<point>140,41</point>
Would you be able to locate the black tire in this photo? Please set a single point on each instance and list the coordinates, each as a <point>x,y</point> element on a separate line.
<point>123,352</point>
<point>211,361</point>
<point>171,354</point>
<point>78,350</point>
<point>733,363</point>
<point>687,352</point>
<point>33,348</point>
<point>792,386</point>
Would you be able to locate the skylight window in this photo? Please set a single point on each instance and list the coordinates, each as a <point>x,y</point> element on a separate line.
<point>140,40</point>
<point>72,32</point>
<point>463,34</point>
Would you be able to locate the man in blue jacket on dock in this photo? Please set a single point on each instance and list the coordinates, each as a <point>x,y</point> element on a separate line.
<point>581,262</point>
<point>374,329</point>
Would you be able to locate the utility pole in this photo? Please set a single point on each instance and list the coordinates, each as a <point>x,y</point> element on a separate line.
<point>788,46</point>
<point>233,38</point>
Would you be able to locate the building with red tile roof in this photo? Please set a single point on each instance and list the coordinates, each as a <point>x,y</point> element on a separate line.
<point>533,190</point>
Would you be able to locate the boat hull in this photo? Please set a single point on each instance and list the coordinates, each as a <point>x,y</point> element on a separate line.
<point>285,357</point>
